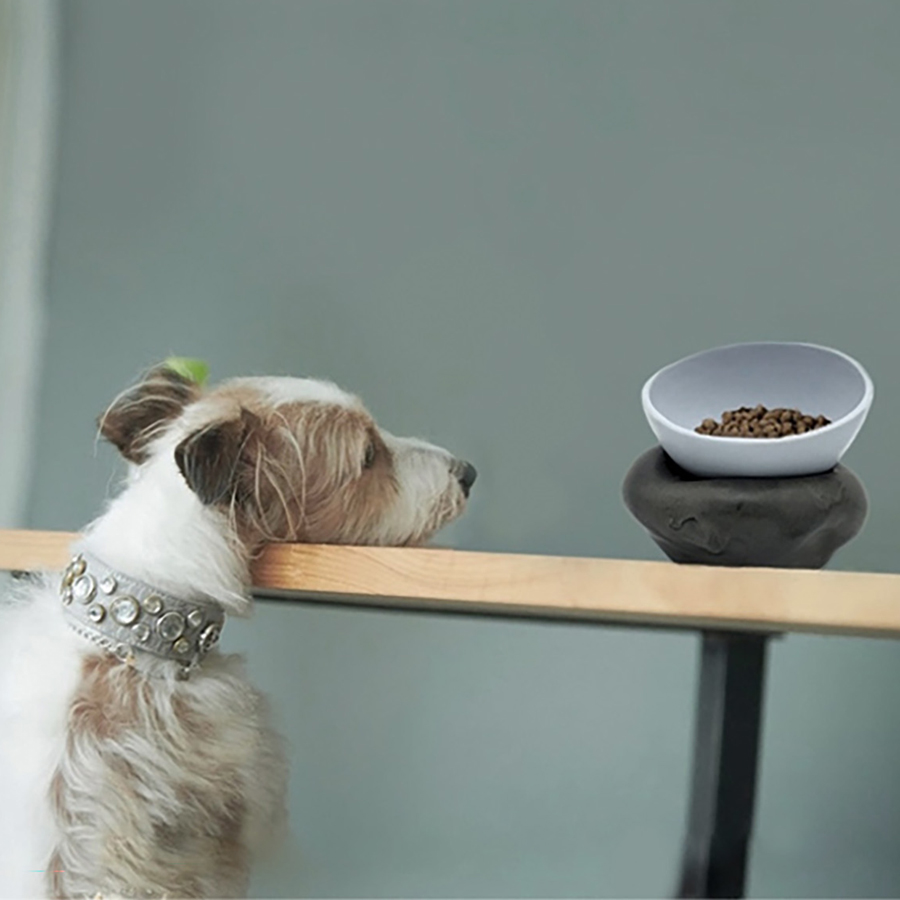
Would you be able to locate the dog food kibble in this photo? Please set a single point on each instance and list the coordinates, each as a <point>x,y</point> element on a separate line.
<point>761,422</point>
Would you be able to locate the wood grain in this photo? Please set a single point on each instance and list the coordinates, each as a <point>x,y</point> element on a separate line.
<point>34,551</point>
<point>603,590</point>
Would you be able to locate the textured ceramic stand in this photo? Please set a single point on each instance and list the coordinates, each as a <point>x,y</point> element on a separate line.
<point>777,522</point>
<point>788,523</point>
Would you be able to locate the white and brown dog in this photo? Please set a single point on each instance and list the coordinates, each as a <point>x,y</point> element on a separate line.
<point>135,759</point>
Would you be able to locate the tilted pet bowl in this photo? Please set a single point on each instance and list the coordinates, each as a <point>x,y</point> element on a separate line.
<point>813,379</point>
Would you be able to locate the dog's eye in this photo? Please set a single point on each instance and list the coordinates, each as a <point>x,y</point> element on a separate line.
<point>369,458</point>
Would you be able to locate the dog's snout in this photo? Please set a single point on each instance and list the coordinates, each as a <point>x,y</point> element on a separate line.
<point>466,474</point>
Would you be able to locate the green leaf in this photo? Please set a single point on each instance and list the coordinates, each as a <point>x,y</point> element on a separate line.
<point>193,369</point>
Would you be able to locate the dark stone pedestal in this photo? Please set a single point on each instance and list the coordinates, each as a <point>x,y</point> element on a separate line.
<point>780,522</point>
<point>777,522</point>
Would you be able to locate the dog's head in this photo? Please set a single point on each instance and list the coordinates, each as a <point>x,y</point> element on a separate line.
<point>289,459</point>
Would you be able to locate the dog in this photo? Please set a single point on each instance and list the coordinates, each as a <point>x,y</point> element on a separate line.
<point>135,758</point>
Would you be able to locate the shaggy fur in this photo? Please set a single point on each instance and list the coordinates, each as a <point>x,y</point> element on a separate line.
<point>118,778</point>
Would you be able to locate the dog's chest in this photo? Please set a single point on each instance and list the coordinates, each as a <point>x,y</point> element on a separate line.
<point>39,672</point>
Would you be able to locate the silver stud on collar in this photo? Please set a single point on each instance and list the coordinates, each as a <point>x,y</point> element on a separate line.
<point>141,632</point>
<point>153,605</point>
<point>182,646</point>
<point>96,613</point>
<point>125,610</point>
<point>108,585</point>
<point>84,588</point>
<point>195,618</point>
<point>209,637</point>
<point>171,625</point>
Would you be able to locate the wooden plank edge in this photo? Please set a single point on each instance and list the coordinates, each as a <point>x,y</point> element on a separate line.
<point>579,588</point>
<point>34,551</point>
<point>601,617</point>
<point>561,588</point>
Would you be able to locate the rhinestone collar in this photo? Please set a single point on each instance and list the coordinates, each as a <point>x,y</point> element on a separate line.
<point>127,617</point>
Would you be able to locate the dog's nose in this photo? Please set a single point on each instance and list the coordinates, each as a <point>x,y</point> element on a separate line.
<point>466,475</point>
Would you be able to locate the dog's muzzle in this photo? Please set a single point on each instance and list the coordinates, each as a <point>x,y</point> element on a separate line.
<point>127,617</point>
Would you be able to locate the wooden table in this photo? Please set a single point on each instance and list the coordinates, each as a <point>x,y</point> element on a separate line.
<point>731,607</point>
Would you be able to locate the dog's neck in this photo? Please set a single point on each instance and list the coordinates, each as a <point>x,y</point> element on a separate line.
<point>159,532</point>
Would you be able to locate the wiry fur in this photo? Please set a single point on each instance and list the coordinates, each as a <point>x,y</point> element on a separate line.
<point>123,780</point>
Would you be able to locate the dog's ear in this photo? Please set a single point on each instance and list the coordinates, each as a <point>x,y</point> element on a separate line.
<point>212,459</point>
<point>138,414</point>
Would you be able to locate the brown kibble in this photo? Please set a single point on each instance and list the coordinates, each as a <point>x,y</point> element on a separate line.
<point>759,422</point>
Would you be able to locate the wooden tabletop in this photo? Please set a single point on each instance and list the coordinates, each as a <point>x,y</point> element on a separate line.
<point>624,591</point>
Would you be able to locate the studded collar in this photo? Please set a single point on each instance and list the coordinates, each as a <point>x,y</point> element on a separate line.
<point>128,618</point>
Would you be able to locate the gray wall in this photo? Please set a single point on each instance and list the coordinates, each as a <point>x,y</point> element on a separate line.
<point>494,220</point>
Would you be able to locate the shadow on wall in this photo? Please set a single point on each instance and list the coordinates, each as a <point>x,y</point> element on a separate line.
<point>28,90</point>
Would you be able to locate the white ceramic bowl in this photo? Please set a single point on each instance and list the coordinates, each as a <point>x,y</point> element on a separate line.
<point>815,380</point>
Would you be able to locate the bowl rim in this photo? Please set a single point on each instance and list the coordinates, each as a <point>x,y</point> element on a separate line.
<point>863,405</point>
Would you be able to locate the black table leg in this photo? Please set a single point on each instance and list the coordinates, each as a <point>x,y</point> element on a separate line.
<point>726,749</point>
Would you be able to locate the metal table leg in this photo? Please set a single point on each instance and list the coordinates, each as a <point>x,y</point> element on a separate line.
<point>726,750</point>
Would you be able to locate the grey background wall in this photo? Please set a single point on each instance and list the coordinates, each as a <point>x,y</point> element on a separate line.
<point>494,220</point>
